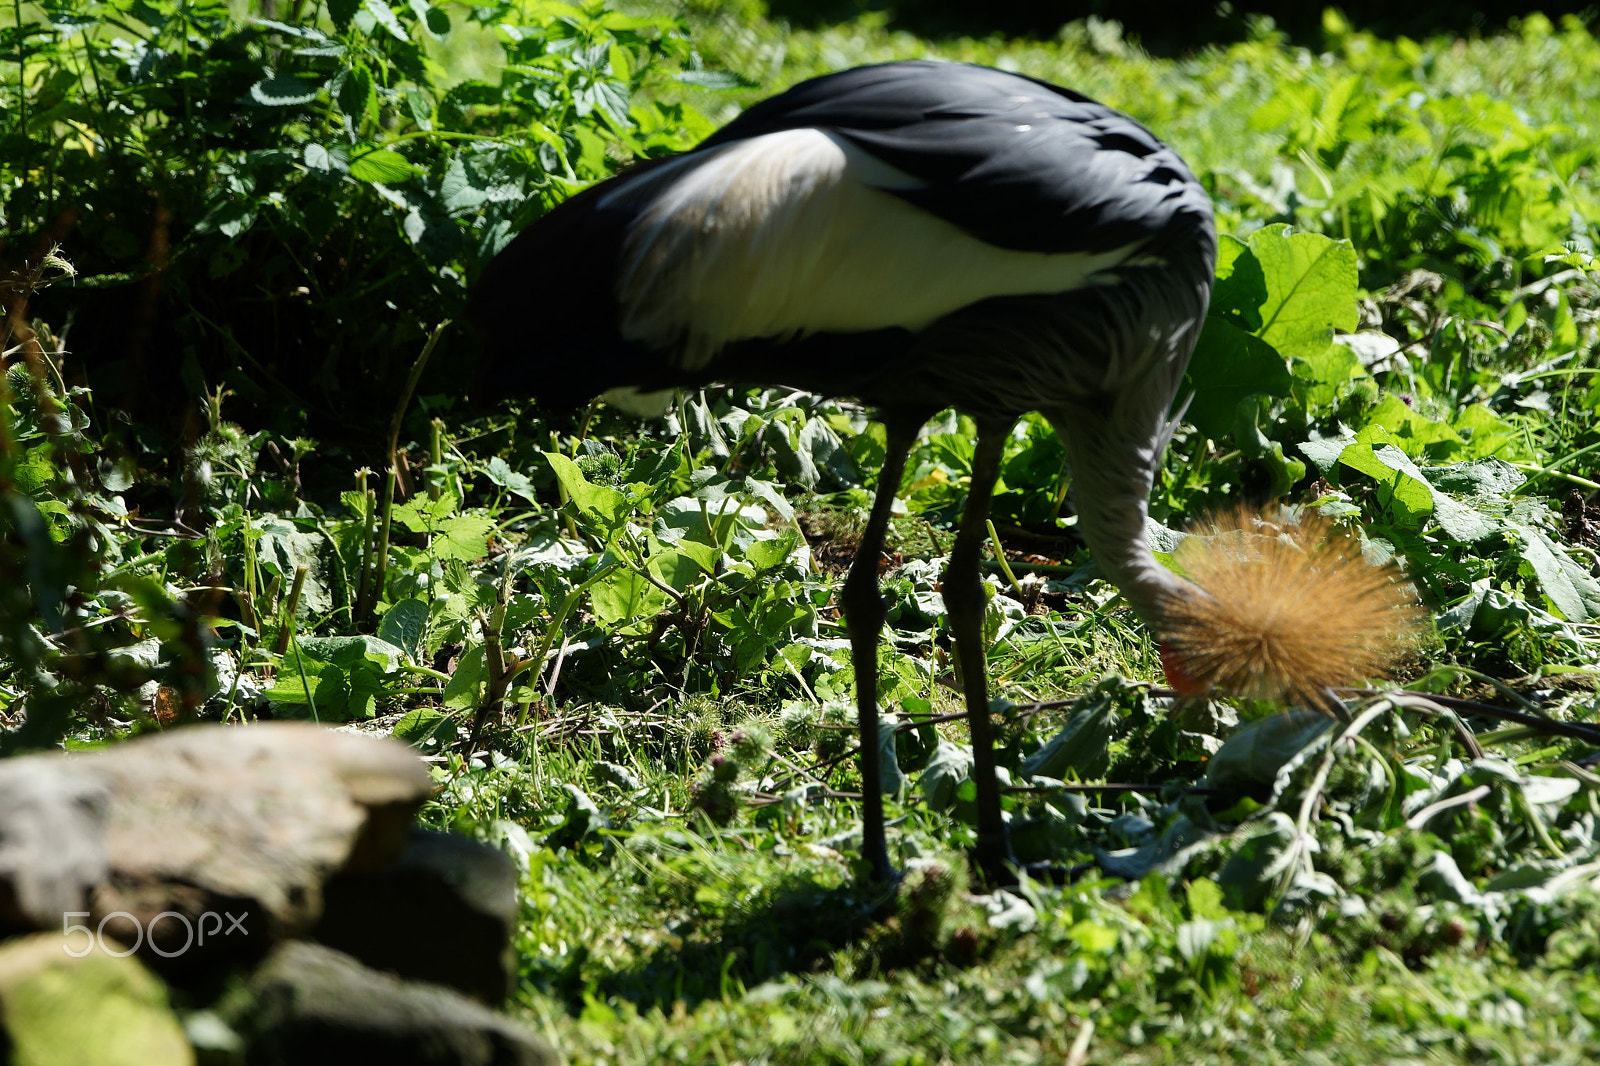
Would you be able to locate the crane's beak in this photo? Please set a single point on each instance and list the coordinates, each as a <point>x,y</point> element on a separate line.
<point>1182,681</point>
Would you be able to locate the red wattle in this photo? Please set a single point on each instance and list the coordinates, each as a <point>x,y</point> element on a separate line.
<point>1182,681</point>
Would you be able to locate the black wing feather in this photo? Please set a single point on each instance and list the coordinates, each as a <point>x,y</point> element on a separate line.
<point>1016,162</point>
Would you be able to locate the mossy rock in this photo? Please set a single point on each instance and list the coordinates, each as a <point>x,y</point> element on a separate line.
<point>102,1009</point>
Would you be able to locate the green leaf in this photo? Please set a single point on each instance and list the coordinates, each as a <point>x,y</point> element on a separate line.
<point>382,166</point>
<point>342,11</point>
<point>1311,284</point>
<point>600,506</point>
<point>940,780</point>
<point>580,819</point>
<point>283,90</point>
<point>1229,365</point>
<point>703,554</point>
<point>425,724</point>
<point>624,597</point>
<point>464,691</point>
<point>677,569</point>
<point>1082,747</point>
<point>1324,373</point>
<point>766,554</point>
<point>1240,288</point>
<point>464,537</point>
<point>1485,433</point>
<point>283,548</point>
<point>358,97</point>
<point>1415,434</point>
<point>501,474</point>
<point>433,20</point>
<point>1254,753</point>
<point>403,626</point>
<point>1566,583</point>
<point>1400,484</point>
<point>1490,478</point>
<point>384,16</point>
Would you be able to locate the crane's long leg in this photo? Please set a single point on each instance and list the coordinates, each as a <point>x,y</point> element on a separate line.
<point>964,599</point>
<point>863,617</point>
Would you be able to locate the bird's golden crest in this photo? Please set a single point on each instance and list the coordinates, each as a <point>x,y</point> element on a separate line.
<point>1287,608</point>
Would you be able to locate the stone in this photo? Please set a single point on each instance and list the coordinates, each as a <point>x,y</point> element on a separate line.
<point>310,1005</point>
<point>444,913</point>
<point>216,840</point>
<point>98,1008</point>
<point>52,842</point>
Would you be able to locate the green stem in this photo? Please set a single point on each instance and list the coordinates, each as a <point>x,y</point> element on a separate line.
<point>1000,557</point>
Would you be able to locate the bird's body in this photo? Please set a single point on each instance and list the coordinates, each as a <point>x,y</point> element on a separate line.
<point>919,236</point>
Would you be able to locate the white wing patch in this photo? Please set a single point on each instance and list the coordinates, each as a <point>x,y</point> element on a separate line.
<point>792,233</point>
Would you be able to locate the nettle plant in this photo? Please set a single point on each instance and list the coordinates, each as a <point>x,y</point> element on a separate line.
<point>263,194</point>
<point>278,209</point>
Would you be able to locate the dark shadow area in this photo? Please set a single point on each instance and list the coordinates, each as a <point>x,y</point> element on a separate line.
<point>796,929</point>
<point>1173,27</point>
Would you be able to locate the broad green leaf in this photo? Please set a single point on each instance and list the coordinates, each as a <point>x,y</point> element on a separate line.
<point>1401,485</point>
<point>623,597</point>
<point>1258,862</point>
<point>1325,372</point>
<point>600,505</point>
<point>1254,753</point>
<point>464,537</point>
<point>464,690</point>
<point>358,97</point>
<point>283,548</point>
<point>342,11</point>
<point>769,492</point>
<point>1415,434</point>
<point>1082,747</point>
<point>704,555</point>
<point>283,90</point>
<point>384,16</point>
<point>1404,486</point>
<point>950,765</point>
<point>403,626</point>
<point>1324,454</point>
<point>501,474</point>
<point>1240,288</point>
<point>383,166</point>
<point>890,780</point>
<point>422,515</point>
<point>425,724</point>
<point>1229,365</point>
<point>1491,478</point>
<point>1311,285</point>
<point>581,818</point>
<point>676,568</point>
<point>435,21</point>
<point>1486,433</point>
<point>1565,582</point>
<point>766,554</point>
<point>229,218</point>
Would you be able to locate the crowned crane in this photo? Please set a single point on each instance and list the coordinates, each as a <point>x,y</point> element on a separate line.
<point>917,235</point>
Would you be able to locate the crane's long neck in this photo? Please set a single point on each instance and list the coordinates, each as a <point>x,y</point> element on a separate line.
<point>1115,454</point>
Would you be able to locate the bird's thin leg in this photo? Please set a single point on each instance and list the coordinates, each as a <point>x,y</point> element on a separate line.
<point>965,601</point>
<point>863,617</point>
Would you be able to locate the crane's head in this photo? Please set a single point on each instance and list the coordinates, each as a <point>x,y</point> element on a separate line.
<point>1281,611</point>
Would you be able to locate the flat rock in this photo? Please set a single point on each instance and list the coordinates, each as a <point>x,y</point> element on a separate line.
<point>444,914</point>
<point>99,1009</point>
<point>52,842</point>
<point>311,1005</point>
<point>216,840</point>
